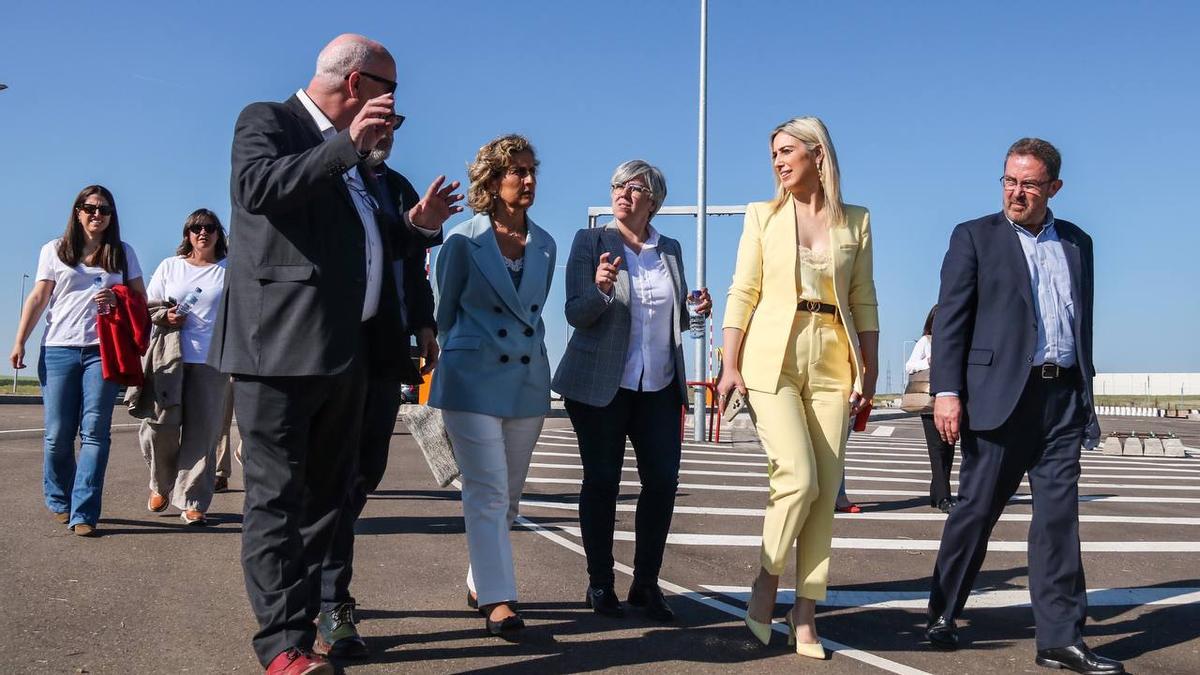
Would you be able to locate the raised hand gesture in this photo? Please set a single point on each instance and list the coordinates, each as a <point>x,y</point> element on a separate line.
<point>438,204</point>
<point>606,273</point>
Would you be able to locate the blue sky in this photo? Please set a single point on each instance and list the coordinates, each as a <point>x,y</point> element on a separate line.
<point>922,99</point>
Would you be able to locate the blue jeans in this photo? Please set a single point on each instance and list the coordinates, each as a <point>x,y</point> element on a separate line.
<point>76,399</point>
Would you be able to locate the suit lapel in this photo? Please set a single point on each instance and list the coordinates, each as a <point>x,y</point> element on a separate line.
<point>314,138</point>
<point>780,233</point>
<point>611,243</point>
<point>1011,249</point>
<point>486,255</point>
<point>671,257</point>
<point>537,263</point>
<point>1075,267</point>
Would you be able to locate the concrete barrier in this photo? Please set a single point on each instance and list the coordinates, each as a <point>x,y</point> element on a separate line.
<point>1132,446</point>
<point>1112,446</point>
<point>1153,446</point>
<point>1173,447</point>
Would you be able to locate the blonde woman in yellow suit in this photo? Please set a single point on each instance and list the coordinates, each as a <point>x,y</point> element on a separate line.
<point>801,336</point>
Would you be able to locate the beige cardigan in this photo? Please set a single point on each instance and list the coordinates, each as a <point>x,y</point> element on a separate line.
<point>158,399</point>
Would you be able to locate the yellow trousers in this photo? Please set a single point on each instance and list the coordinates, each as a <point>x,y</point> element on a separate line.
<point>803,426</point>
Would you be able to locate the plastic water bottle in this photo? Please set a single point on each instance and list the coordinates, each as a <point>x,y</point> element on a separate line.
<point>696,320</point>
<point>97,285</point>
<point>188,303</point>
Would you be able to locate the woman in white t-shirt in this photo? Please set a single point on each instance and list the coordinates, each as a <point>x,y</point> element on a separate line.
<point>74,275</point>
<point>181,449</point>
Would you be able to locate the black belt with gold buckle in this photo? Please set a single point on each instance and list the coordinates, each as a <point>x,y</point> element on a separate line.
<point>816,307</point>
<point>1051,371</point>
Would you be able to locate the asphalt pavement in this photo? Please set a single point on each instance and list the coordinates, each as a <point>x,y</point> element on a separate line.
<point>151,596</point>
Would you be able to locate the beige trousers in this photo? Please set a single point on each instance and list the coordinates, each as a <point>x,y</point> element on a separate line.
<point>181,451</point>
<point>225,444</point>
<point>803,426</point>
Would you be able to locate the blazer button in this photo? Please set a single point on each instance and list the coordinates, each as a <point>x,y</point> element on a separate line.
<point>497,309</point>
<point>502,332</point>
<point>524,359</point>
<point>504,358</point>
<point>534,308</point>
<point>528,332</point>
<point>1030,359</point>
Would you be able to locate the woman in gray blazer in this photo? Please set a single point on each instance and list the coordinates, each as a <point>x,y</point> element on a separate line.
<point>623,376</point>
<point>493,380</point>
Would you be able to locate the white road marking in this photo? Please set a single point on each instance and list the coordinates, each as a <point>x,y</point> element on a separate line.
<point>883,431</point>
<point>25,431</point>
<point>1097,597</point>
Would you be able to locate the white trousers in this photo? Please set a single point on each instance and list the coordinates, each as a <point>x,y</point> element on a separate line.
<point>493,455</point>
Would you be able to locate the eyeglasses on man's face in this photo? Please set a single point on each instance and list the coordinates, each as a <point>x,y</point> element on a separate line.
<point>1033,187</point>
<point>635,188</point>
<point>197,228</point>
<point>91,209</point>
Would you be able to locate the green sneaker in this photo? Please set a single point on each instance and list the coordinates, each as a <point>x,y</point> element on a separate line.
<point>336,634</point>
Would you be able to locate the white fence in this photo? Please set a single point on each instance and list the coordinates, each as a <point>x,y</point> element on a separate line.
<point>1146,384</point>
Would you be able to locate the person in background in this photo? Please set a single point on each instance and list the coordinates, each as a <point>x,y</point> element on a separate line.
<point>180,449</point>
<point>941,453</point>
<point>801,335</point>
<point>623,376</point>
<point>493,382</point>
<point>74,276</point>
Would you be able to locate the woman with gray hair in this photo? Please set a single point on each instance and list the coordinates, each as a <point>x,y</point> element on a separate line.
<point>623,376</point>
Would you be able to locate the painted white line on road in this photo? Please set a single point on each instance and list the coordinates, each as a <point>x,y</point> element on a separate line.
<point>682,486</point>
<point>25,431</point>
<point>633,460</point>
<point>883,431</point>
<point>1106,486</point>
<point>778,627</point>
<point>713,453</point>
<point>690,472</point>
<point>1097,597</point>
<point>1195,473</point>
<point>872,544</point>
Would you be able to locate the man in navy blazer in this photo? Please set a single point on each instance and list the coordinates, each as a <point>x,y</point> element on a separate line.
<point>1012,371</point>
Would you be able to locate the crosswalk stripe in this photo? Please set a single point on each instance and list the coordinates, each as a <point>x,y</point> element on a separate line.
<point>985,599</point>
<point>1106,486</point>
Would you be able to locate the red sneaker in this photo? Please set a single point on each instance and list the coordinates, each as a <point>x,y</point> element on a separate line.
<point>852,508</point>
<point>299,662</point>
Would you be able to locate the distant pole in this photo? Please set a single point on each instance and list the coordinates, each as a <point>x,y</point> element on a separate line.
<point>700,403</point>
<point>20,305</point>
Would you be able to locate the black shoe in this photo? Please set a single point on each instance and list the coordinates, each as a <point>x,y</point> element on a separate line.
<point>508,627</point>
<point>942,633</point>
<point>946,505</point>
<point>221,484</point>
<point>337,635</point>
<point>603,600</point>
<point>473,603</point>
<point>1079,659</point>
<point>651,601</point>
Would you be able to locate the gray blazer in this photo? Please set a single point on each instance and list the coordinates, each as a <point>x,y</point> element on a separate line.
<point>492,336</point>
<point>590,370</point>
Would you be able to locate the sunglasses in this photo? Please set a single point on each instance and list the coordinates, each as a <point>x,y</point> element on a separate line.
<point>91,209</point>
<point>390,85</point>
<point>202,227</point>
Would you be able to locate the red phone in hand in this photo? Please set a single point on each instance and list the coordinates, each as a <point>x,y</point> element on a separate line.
<point>860,420</point>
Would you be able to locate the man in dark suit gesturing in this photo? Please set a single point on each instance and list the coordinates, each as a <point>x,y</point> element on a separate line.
<point>1012,371</point>
<point>310,305</point>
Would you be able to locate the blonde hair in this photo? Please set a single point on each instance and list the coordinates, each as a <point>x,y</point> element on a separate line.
<point>492,161</point>
<point>812,133</point>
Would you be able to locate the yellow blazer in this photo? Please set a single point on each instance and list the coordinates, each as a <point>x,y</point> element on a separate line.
<point>762,297</point>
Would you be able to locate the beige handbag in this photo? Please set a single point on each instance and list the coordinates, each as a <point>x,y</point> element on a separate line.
<point>916,398</point>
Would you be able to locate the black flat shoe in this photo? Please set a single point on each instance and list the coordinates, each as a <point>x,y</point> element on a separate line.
<point>942,633</point>
<point>651,601</point>
<point>473,603</point>
<point>603,600</point>
<point>1080,659</point>
<point>507,628</point>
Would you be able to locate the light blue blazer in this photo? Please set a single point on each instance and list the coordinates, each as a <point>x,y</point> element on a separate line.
<point>492,336</point>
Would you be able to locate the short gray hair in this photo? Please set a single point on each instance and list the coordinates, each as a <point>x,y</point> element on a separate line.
<point>345,54</point>
<point>636,168</point>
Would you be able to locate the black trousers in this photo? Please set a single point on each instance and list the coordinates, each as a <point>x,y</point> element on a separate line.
<point>651,421</point>
<point>379,421</point>
<point>941,459</point>
<point>299,435</point>
<point>1042,438</point>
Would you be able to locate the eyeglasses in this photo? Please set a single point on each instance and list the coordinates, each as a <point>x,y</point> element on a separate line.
<point>522,172</point>
<point>390,85</point>
<point>197,228</point>
<point>395,120</point>
<point>635,188</point>
<point>361,190</point>
<point>1033,187</point>
<point>91,209</point>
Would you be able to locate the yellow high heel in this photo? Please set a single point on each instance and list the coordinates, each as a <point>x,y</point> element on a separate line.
<point>813,650</point>
<point>761,631</point>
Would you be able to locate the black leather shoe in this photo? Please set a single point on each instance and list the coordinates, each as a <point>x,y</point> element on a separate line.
<point>337,636</point>
<point>473,603</point>
<point>650,600</point>
<point>942,633</point>
<point>506,628</point>
<point>603,600</point>
<point>1079,659</point>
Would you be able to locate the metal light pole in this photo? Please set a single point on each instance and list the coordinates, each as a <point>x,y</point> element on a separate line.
<point>700,403</point>
<point>20,306</point>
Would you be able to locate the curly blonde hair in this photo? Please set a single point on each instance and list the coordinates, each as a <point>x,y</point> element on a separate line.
<point>492,161</point>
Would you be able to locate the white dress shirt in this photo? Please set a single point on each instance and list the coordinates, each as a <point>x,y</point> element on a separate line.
<point>358,194</point>
<point>919,359</point>
<point>650,360</point>
<point>1053,306</point>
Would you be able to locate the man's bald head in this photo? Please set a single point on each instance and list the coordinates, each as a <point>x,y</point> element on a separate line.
<point>348,53</point>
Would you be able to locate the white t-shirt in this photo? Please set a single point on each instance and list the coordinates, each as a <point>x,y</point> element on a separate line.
<point>71,313</point>
<point>175,278</point>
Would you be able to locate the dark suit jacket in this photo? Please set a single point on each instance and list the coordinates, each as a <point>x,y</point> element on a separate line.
<point>296,278</point>
<point>985,331</point>
<point>408,249</point>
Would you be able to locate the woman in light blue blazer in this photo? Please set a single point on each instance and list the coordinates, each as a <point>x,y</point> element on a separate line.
<point>493,380</point>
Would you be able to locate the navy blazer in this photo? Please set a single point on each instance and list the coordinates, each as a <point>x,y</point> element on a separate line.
<point>492,336</point>
<point>985,330</point>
